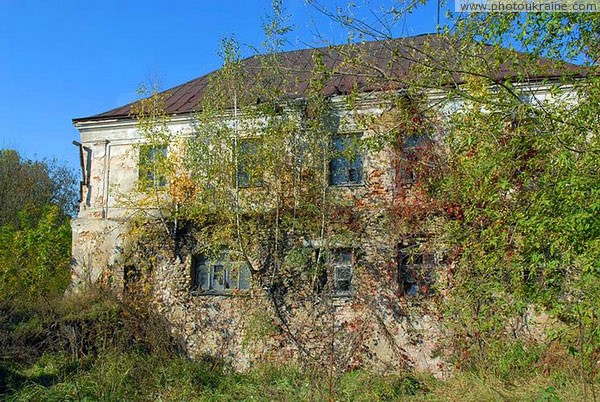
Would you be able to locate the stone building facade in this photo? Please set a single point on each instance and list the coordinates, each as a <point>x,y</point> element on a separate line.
<point>243,326</point>
<point>376,312</point>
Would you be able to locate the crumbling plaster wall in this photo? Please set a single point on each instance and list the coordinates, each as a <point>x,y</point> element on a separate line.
<point>374,328</point>
<point>101,226</point>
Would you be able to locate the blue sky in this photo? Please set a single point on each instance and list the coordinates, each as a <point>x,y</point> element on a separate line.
<point>74,58</point>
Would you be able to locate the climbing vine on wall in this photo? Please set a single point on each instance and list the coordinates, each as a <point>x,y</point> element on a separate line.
<point>501,187</point>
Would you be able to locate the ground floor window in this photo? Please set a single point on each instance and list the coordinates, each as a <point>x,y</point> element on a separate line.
<point>415,268</point>
<point>219,275</point>
<point>341,264</point>
<point>334,271</point>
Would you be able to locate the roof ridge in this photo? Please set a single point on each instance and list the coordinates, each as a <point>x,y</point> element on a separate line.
<point>184,98</point>
<point>331,46</point>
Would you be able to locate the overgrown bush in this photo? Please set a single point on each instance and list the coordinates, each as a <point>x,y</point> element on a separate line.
<point>36,201</point>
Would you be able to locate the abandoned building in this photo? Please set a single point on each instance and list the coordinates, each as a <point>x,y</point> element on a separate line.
<point>373,311</point>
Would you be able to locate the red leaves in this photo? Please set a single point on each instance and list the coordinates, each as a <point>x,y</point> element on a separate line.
<point>455,212</point>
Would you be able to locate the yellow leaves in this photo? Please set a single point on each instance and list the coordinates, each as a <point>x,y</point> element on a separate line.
<point>182,188</point>
<point>477,87</point>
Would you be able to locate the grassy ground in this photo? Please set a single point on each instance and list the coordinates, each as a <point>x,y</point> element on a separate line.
<point>135,377</point>
<point>94,349</point>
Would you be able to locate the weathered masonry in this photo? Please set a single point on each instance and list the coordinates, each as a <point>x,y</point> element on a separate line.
<point>345,286</point>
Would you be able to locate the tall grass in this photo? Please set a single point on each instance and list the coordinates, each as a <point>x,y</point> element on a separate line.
<point>95,348</point>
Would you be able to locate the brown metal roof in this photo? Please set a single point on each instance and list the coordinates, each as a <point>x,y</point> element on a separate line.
<point>374,66</point>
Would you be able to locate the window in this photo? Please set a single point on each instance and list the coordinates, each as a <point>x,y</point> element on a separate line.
<point>219,276</point>
<point>335,275</point>
<point>415,269</point>
<point>341,262</point>
<point>151,159</point>
<point>248,174</point>
<point>346,166</point>
<point>412,147</point>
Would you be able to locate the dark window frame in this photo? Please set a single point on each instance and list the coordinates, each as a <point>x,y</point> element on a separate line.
<point>341,262</point>
<point>412,147</point>
<point>213,276</point>
<point>415,269</point>
<point>346,169</point>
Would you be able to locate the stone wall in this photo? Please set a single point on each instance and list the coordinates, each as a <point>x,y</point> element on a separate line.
<point>375,327</point>
<point>378,331</point>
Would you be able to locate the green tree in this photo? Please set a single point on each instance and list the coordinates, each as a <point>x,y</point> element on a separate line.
<point>509,189</point>
<point>28,184</point>
<point>35,255</point>
<point>35,236</point>
<point>518,183</point>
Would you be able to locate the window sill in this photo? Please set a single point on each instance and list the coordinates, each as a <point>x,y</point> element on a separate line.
<point>251,186</point>
<point>347,185</point>
<point>226,293</point>
<point>341,299</point>
<point>342,295</point>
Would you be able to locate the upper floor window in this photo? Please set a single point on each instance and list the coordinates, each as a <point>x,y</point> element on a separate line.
<point>415,269</point>
<point>346,164</point>
<point>412,147</point>
<point>248,163</point>
<point>151,165</point>
<point>219,275</point>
